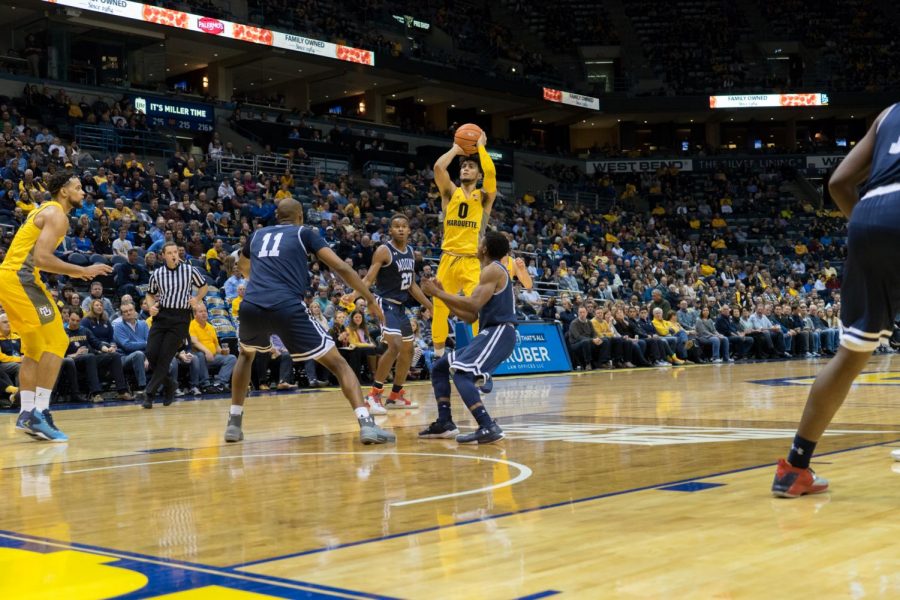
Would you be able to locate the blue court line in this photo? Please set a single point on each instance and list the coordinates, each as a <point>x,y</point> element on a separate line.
<point>223,571</point>
<point>533,509</point>
<point>539,595</point>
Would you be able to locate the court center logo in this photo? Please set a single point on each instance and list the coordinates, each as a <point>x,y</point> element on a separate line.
<point>650,435</point>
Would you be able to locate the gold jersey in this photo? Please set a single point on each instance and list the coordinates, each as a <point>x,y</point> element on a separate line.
<point>462,223</point>
<point>20,256</point>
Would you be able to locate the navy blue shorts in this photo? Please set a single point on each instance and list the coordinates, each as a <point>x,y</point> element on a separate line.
<point>870,291</point>
<point>486,352</point>
<point>304,338</point>
<point>396,321</point>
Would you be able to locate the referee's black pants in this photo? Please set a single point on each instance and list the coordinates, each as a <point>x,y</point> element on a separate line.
<point>168,334</point>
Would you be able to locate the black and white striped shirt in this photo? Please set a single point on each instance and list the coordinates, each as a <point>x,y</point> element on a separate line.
<point>172,288</point>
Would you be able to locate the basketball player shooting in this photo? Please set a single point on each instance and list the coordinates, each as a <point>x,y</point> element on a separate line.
<point>465,210</point>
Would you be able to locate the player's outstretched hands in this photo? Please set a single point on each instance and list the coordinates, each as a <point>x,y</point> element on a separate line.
<point>94,271</point>
<point>376,310</point>
<point>459,150</point>
<point>430,286</point>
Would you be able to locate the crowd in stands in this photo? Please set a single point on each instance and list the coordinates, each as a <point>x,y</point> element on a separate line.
<point>647,282</point>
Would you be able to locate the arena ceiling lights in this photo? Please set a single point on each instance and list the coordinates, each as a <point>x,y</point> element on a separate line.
<point>210,26</point>
<point>768,100</point>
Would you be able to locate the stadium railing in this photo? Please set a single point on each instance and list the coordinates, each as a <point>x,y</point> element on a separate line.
<point>114,141</point>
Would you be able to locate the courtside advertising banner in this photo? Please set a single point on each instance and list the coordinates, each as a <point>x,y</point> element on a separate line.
<point>539,348</point>
<point>210,26</point>
<point>768,100</point>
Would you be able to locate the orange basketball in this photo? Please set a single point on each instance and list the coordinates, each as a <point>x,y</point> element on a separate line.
<point>467,137</point>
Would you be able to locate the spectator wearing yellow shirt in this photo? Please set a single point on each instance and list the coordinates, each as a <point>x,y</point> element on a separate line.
<point>100,177</point>
<point>800,249</point>
<point>134,163</point>
<point>529,198</point>
<point>283,192</point>
<point>31,192</point>
<point>694,223</point>
<point>120,211</point>
<point>10,358</point>
<point>215,253</point>
<point>718,222</point>
<point>620,352</point>
<point>286,179</point>
<point>209,353</point>
<point>75,111</point>
<point>236,303</point>
<point>706,269</point>
<point>658,211</point>
<point>191,169</point>
<point>672,333</point>
<point>718,244</point>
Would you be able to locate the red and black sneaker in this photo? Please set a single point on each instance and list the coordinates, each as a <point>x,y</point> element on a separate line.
<point>792,482</point>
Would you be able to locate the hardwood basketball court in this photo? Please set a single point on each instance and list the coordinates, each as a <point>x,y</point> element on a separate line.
<point>649,483</point>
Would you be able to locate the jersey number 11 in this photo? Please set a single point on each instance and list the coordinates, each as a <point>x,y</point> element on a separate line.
<point>273,251</point>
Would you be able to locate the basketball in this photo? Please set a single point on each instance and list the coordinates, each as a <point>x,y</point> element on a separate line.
<point>467,137</point>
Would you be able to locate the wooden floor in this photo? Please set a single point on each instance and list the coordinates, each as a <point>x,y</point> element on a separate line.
<point>617,484</point>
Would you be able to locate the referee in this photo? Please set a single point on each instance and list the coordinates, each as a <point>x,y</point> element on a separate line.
<point>170,301</point>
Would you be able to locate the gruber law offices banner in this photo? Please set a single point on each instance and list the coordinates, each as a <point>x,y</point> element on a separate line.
<point>539,348</point>
<point>210,26</point>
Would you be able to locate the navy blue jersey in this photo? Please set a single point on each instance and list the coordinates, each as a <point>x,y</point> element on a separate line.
<point>501,308</point>
<point>886,156</point>
<point>394,278</point>
<point>279,263</point>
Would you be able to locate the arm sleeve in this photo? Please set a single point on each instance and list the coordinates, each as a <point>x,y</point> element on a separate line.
<point>490,171</point>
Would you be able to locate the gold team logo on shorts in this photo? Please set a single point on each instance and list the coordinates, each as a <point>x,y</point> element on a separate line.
<point>45,311</point>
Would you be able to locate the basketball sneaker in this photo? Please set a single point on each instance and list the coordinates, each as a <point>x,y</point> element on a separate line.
<point>484,435</point>
<point>792,482</point>
<point>41,423</point>
<point>233,432</point>
<point>370,433</point>
<point>23,423</point>
<point>373,403</point>
<point>439,430</point>
<point>485,383</point>
<point>398,401</point>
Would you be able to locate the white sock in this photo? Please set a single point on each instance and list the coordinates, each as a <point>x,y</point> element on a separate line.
<point>438,352</point>
<point>362,412</point>
<point>236,410</point>
<point>27,401</point>
<point>42,399</point>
